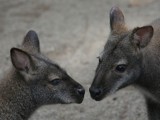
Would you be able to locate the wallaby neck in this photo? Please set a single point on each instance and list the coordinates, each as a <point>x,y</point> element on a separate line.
<point>150,73</point>
<point>16,100</point>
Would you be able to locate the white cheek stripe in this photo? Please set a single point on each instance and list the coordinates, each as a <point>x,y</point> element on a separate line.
<point>122,61</point>
<point>119,83</point>
<point>53,76</point>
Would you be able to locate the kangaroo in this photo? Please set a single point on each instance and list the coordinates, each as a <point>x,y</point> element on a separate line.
<point>33,81</point>
<point>130,57</point>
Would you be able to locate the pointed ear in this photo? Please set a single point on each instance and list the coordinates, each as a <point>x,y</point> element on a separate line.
<point>117,22</point>
<point>21,60</point>
<point>31,42</point>
<point>142,36</point>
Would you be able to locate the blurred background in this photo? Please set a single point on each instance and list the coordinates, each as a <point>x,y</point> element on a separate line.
<point>73,33</point>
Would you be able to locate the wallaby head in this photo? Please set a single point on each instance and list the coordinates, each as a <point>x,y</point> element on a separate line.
<point>48,83</point>
<point>120,62</point>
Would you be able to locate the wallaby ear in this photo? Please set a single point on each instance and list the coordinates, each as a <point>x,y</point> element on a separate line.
<point>117,22</point>
<point>142,36</point>
<point>21,60</point>
<point>31,42</point>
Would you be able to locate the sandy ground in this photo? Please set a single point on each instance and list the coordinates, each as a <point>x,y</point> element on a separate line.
<point>73,32</point>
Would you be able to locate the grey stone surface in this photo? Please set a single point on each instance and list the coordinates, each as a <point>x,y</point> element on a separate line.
<point>72,33</point>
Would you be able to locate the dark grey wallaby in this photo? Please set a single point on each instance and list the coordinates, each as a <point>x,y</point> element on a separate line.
<point>130,57</point>
<point>33,81</point>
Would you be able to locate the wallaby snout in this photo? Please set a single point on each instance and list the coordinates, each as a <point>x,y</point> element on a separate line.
<point>80,93</point>
<point>96,93</point>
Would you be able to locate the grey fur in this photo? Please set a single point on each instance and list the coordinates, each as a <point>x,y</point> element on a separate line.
<point>140,48</point>
<point>33,81</point>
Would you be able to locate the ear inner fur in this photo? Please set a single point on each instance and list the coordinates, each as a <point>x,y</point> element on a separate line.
<point>21,60</point>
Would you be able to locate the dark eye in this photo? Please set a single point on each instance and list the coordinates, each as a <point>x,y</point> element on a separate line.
<point>121,68</point>
<point>55,81</point>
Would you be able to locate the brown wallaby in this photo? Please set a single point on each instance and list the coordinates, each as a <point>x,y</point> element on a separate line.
<point>130,57</point>
<point>33,81</point>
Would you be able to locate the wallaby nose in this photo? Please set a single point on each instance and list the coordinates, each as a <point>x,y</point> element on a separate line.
<point>95,93</point>
<point>80,91</point>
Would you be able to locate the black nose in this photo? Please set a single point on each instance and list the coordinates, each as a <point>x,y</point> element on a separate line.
<point>80,91</point>
<point>95,92</point>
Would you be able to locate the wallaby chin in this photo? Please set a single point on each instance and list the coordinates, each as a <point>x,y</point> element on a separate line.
<point>35,81</point>
<point>78,101</point>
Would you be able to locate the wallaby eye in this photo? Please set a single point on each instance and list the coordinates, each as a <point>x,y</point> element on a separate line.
<point>121,68</point>
<point>55,81</point>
